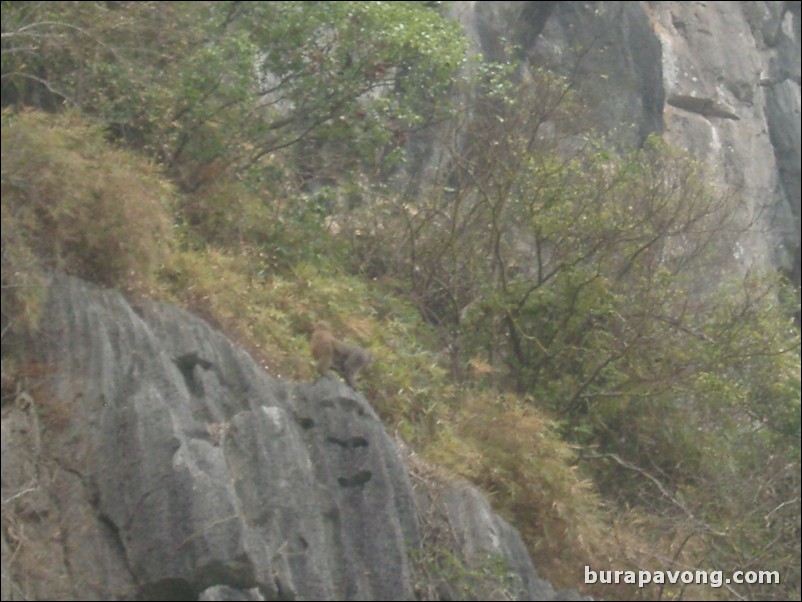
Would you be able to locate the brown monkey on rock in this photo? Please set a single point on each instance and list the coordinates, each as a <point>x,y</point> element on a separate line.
<point>329,353</point>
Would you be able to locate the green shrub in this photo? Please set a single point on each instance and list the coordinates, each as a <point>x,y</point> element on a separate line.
<point>72,202</point>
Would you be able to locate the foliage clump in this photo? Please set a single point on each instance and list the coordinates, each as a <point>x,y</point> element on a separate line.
<point>76,204</point>
<point>215,89</point>
<point>600,287</point>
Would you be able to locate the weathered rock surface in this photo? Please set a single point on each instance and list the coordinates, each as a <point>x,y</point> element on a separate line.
<point>458,517</point>
<point>159,461</point>
<point>721,79</point>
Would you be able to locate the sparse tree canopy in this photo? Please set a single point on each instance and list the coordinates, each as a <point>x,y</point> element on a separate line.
<point>207,86</point>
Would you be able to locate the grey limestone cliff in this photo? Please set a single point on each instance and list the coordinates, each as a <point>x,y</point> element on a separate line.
<point>157,460</point>
<point>721,79</point>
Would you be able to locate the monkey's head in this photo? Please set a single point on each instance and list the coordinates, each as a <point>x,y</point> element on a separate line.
<point>323,325</point>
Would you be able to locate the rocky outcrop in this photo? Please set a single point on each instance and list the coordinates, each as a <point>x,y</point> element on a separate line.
<point>457,517</point>
<point>157,460</point>
<point>721,79</point>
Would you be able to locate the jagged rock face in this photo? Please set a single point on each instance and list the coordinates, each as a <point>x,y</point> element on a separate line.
<point>201,470</point>
<point>459,512</point>
<point>159,461</point>
<point>721,79</point>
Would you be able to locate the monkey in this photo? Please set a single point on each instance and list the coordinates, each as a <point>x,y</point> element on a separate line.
<point>329,353</point>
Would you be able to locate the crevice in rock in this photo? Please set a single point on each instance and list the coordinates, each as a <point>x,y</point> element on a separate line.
<point>305,422</point>
<point>350,443</point>
<point>167,590</point>
<point>186,365</point>
<point>357,480</point>
<point>707,107</point>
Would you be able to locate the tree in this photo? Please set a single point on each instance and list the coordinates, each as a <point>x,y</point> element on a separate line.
<point>212,86</point>
<point>600,286</point>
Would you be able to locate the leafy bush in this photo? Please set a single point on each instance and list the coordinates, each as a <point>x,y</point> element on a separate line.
<point>210,88</point>
<point>592,282</point>
<point>72,202</point>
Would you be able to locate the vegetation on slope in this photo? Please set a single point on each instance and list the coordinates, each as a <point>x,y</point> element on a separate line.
<point>557,321</point>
